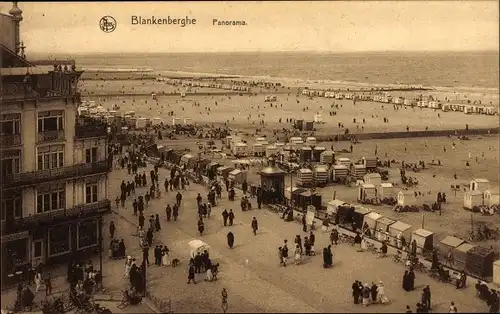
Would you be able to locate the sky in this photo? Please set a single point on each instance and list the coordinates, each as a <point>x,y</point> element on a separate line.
<point>60,27</point>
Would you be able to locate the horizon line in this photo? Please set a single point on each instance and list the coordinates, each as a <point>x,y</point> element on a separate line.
<point>265,51</point>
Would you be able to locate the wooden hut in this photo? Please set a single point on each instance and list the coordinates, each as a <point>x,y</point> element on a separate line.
<point>305,154</point>
<point>237,176</point>
<point>367,192</point>
<point>479,184</point>
<point>424,239</point>
<point>400,227</point>
<point>305,177</point>
<point>327,157</point>
<point>473,199</point>
<point>386,190</point>
<point>460,255</point>
<point>273,178</point>
<point>344,161</point>
<point>258,150</point>
<point>339,172</point>
<point>321,175</point>
<point>496,272</point>
<point>491,197</point>
<point>271,150</point>
<point>317,151</point>
<point>382,228</point>
<point>371,220</point>
<point>372,178</point>
<point>224,171</point>
<point>449,244</point>
<point>370,163</point>
<point>480,262</point>
<point>357,171</point>
<point>359,215</point>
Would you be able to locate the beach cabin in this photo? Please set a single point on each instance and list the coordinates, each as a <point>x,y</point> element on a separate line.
<point>448,244</point>
<point>305,177</point>
<point>339,172</point>
<point>367,192</point>
<point>305,154</point>
<point>262,140</point>
<point>258,149</point>
<point>327,157</point>
<point>333,206</point>
<point>271,150</point>
<point>425,241</point>
<point>371,220</point>
<point>434,105</point>
<point>224,171</point>
<point>176,121</point>
<point>406,198</point>
<point>188,160</point>
<point>316,153</point>
<point>240,149</point>
<point>397,228</point>
<point>321,175</point>
<point>296,141</point>
<point>318,118</point>
<point>234,140</point>
<point>460,255</point>
<point>491,197</point>
<point>469,109</point>
<point>227,141</point>
<point>130,113</point>
<point>496,272</point>
<point>157,121</point>
<point>187,121</point>
<point>370,163</point>
<point>357,171</point>
<point>446,107</point>
<point>385,191</point>
<point>491,111</point>
<point>141,123</point>
<point>280,146</point>
<point>479,184</point>
<point>382,228</point>
<point>372,178</point>
<point>311,141</point>
<point>472,200</point>
<point>237,176</point>
<point>344,161</point>
<point>305,92</point>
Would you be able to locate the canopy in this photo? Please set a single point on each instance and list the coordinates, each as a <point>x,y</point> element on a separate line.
<point>451,242</point>
<point>196,246</point>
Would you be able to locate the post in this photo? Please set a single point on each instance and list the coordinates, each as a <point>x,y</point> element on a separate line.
<point>100,247</point>
<point>471,223</point>
<point>423,220</point>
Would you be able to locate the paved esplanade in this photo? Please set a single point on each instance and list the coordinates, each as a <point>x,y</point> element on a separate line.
<point>259,284</point>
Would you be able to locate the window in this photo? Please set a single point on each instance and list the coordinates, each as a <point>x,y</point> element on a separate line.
<point>16,253</point>
<point>10,124</point>
<point>50,198</point>
<point>59,240</point>
<point>11,162</point>
<point>50,121</point>
<point>91,155</point>
<point>91,193</point>
<point>50,157</point>
<point>12,207</point>
<point>87,233</point>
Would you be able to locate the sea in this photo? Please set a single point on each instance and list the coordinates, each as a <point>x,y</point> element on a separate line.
<point>469,71</point>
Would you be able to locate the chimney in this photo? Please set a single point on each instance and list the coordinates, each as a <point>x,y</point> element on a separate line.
<point>17,17</point>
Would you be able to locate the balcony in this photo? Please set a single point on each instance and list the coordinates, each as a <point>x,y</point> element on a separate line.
<point>57,216</point>
<point>90,129</point>
<point>36,177</point>
<point>10,140</point>
<point>50,136</point>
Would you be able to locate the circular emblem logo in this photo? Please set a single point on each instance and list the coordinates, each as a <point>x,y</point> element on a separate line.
<point>107,24</point>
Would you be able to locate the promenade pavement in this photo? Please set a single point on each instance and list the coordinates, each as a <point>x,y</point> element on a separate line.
<point>250,271</point>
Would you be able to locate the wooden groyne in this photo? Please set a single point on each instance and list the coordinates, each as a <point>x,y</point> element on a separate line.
<point>218,93</point>
<point>409,134</point>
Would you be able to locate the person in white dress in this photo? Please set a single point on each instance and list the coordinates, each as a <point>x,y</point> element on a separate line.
<point>297,255</point>
<point>165,261</point>
<point>208,275</point>
<point>128,265</point>
<point>382,298</point>
<point>38,281</point>
<point>363,243</point>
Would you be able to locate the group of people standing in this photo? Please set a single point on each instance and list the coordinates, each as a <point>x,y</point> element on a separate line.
<point>369,294</point>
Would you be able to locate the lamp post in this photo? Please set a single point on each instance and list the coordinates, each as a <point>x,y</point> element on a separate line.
<point>100,221</point>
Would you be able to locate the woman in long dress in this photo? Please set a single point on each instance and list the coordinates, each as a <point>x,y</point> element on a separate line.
<point>382,298</point>
<point>297,255</point>
<point>128,265</point>
<point>164,258</point>
<point>363,243</point>
<point>208,275</point>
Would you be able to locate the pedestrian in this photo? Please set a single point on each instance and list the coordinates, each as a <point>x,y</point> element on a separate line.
<point>255,226</point>
<point>157,223</point>
<point>191,273</point>
<point>38,281</point>
<point>453,308</point>
<point>382,298</point>
<point>48,285</point>
<point>230,239</point>
<point>334,237</point>
<point>201,226</point>
<point>168,211</point>
<point>112,229</point>
<point>225,215</point>
<point>231,217</point>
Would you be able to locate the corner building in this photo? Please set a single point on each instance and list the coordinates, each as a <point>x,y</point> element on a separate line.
<point>55,166</point>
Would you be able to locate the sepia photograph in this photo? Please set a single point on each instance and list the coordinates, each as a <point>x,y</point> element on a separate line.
<point>250,157</point>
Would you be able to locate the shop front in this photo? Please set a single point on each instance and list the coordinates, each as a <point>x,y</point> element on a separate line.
<point>15,257</point>
<point>87,234</point>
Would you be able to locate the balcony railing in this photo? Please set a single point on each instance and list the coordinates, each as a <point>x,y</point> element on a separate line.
<point>50,136</point>
<point>35,177</point>
<point>87,130</point>
<point>56,216</point>
<point>10,140</point>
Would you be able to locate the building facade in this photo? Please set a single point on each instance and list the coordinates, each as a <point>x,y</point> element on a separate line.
<point>54,164</point>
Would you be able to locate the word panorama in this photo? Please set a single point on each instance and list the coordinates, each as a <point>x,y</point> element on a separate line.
<point>217,22</point>
<point>154,20</point>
